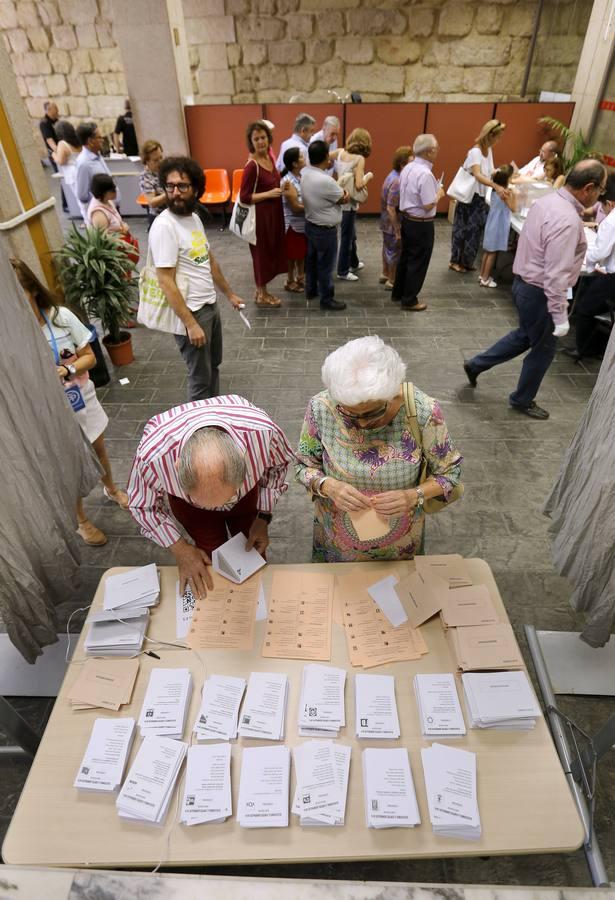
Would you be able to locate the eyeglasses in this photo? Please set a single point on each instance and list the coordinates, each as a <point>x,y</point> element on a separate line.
<point>369,416</point>
<point>182,188</point>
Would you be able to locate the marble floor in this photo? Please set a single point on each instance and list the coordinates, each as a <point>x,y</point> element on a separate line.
<point>510,464</point>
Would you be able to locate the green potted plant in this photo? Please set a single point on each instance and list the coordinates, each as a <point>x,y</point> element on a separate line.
<point>97,275</point>
<point>575,148</point>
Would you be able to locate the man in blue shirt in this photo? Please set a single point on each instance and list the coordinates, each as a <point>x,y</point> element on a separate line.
<point>89,162</point>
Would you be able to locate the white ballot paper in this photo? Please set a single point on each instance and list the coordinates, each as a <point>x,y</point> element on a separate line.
<point>135,588</point>
<point>502,700</point>
<point>234,562</point>
<point>375,706</point>
<point>450,782</point>
<point>148,787</point>
<point>184,608</point>
<point>102,766</point>
<point>264,709</point>
<point>109,637</point>
<point>322,769</point>
<point>439,708</point>
<point>321,705</point>
<point>384,596</point>
<point>263,787</point>
<point>166,701</point>
<point>390,798</point>
<point>261,604</point>
<point>207,792</point>
<point>217,717</point>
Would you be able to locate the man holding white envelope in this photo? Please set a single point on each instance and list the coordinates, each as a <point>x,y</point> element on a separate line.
<point>210,465</point>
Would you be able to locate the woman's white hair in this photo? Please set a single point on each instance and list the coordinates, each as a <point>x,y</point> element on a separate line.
<point>362,370</point>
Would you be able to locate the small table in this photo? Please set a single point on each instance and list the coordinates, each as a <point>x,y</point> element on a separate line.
<point>524,799</point>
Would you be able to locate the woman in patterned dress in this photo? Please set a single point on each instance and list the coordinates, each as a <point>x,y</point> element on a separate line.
<point>357,452</point>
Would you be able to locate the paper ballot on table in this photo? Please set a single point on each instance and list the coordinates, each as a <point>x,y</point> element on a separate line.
<point>207,790</point>
<point>321,705</point>
<point>368,525</point>
<point>439,708</point>
<point>451,567</point>
<point>465,606</point>
<point>321,769</point>
<point>166,702</point>
<point>109,637</point>
<point>261,605</point>
<point>388,788</point>
<point>375,707</point>
<point>485,647</point>
<point>264,787</point>
<point>138,587</point>
<point>421,594</point>
<point>106,683</point>
<point>384,596</point>
<point>450,783</point>
<point>264,709</point>
<point>503,700</point>
<point>219,710</point>
<point>234,562</point>
<point>184,610</point>
<point>298,624</point>
<point>147,789</point>
<point>102,766</point>
<point>225,618</point>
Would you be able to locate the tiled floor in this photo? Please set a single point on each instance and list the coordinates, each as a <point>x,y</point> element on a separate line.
<point>510,464</point>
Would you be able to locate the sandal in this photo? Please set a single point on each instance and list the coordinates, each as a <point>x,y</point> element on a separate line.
<point>294,287</point>
<point>119,497</point>
<point>267,300</point>
<point>90,534</point>
<point>456,267</point>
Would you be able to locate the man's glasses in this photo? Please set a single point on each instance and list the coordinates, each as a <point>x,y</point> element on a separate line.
<point>369,416</point>
<point>182,188</point>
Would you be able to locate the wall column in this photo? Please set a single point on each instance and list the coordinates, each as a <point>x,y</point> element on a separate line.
<point>152,42</point>
<point>594,66</point>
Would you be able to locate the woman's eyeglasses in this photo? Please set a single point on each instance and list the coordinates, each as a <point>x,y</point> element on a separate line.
<point>369,416</point>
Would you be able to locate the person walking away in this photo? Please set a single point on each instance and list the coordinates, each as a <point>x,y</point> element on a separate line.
<point>497,226</point>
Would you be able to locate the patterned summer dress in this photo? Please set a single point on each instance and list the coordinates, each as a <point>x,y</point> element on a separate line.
<point>373,460</point>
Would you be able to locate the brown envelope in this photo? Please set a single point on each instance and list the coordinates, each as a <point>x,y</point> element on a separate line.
<point>449,566</point>
<point>421,596</point>
<point>465,606</point>
<point>485,647</point>
<point>368,525</point>
<point>105,683</point>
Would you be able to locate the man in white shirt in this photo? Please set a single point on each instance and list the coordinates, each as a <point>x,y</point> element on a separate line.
<point>180,251</point>
<point>535,169</point>
<point>303,131</point>
<point>329,133</point>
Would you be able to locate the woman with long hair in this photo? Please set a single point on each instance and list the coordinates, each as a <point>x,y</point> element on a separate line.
<point>352,159</point>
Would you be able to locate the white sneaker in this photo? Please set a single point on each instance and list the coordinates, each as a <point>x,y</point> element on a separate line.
<point>489,283</point>
<point>361,265</point>
<point>348,277</point>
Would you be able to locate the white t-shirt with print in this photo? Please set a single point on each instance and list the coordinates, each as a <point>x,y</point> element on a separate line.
<point>476,158</point>
<point>179,242</point>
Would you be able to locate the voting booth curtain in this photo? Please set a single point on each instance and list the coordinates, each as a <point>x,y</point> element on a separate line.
<point>46,466</point>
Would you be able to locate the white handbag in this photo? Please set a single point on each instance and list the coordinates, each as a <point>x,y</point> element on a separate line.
<point>243,219</point>
<point>154,311</point>
<point>463,186</point>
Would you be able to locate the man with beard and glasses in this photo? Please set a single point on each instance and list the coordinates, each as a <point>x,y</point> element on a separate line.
<point>180,250</point>
<point>210,466</point>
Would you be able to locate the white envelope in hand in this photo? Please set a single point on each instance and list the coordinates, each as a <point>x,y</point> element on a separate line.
<point>233,561</point>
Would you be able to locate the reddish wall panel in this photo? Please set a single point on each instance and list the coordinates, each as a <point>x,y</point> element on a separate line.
<point>391,125</point>
<point>524,134</point>
<point>217,134</point>
<point>283,116</point>
<point>455,125</point>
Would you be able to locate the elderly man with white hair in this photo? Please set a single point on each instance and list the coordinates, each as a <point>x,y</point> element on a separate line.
<point>419,193</point>
<point>210,465</point>
<point>373,443</point>
<point>302,132</point>
<point>329,133</point>
<point>535,169</point>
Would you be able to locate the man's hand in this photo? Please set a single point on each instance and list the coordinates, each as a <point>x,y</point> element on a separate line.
<point>235,301</point>
<point>441,193</point>
<point>395,503</point>
<point>344,496</point>
<point>258,536</point>
<point>193,569</point>
<point>196,335</point>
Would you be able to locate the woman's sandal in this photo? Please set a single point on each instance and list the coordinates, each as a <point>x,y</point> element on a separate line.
<point>267,300</point>
<point>456,267</point>
<point>294,287</point>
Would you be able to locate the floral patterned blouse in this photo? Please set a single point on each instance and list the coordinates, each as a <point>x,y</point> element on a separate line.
<point>373,460</point>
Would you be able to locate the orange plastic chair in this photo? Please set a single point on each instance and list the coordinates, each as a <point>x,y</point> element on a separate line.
<point>141,200</point>
<point>217,190</point>
<point>237,176</point>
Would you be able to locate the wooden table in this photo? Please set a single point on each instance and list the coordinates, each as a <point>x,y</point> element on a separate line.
<point>525,803</point>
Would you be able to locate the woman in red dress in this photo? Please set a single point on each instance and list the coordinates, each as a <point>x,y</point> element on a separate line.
<point>261,185</point>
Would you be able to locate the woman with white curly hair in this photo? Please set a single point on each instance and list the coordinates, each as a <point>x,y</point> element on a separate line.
<point>358,450</point>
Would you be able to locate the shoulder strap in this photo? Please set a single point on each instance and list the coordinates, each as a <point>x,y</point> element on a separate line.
<point>410,403</point>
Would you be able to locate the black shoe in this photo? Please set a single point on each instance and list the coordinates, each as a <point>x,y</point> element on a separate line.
<point>533,411</point>
<point>333,304</point>
<point>572,352</point>
<point>414,307</point>
<point>472,375</point>
<point>311,296</point>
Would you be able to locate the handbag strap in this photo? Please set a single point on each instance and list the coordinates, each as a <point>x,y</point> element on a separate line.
<point>413,422</point>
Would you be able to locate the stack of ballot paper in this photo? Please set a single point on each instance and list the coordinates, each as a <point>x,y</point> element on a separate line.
<point>390,798</point>
<point>264,787</point>
<point>500,700</point>
<point>207,793</point>
<point>322,709</point>
<point>439,708</point>
<point>264,709</point>
<point>465,606</point>
<point>234,562</point>
<point>109,637</point>
<point>322,769</point>
<point>375,707</point>
<point>105,683</point>
<point>479,647</point>
<point>102,766</point>
<point>147,790</point>
<point>166,701</point>
<point>219,711</point>
<point>135,589</point>
<point>450,783</point>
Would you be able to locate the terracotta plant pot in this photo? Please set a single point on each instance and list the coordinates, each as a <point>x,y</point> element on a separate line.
<point>121,354</point>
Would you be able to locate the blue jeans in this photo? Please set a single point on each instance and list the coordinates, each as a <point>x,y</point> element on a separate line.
<point>348,258</point>
<point>320,261</point>
<point>535,333</point>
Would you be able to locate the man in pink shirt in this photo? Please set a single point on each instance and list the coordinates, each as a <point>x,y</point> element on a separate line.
<point>548,262</point>
<point>419,193</point>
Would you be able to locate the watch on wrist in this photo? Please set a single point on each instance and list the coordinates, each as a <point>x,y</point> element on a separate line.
<point>71,370</point>
<point>421,497</point>
<point>265,516</point>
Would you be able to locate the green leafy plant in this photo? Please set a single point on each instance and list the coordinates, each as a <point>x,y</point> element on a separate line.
<point>96,276</point>
<point>576,147</point>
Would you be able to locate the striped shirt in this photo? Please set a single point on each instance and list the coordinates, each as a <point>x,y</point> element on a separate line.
<point>154,473</point>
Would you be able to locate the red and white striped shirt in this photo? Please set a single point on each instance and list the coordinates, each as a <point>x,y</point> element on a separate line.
<point>154,473</point>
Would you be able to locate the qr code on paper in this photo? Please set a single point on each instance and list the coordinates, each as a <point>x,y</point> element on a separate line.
<point>188,601</point>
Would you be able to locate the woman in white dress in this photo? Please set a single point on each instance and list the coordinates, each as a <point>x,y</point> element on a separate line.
<point>65,155</point>
<point>69,341</point>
